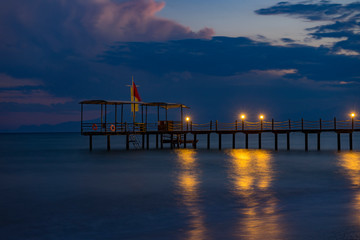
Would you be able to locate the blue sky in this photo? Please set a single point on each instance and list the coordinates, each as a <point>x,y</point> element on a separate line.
<point>285,59</point>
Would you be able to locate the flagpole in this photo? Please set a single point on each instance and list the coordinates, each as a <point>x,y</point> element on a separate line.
<point>133,100</point>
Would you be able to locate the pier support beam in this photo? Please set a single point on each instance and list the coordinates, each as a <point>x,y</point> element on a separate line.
<point>108,142</point>
<point>157,141</point>
<point>143,141</point>
<point>171,141</point>
<point>318,142</point>
<point>288,141</point>
<point>276,141</point>
<point>259,140</point>
<point>208,141</point>
<point>127,142</point>
<point>338,142</point>
<point>147,141</point>
<point>246,141</point>
<point>161,141</point>
<point>350,141</point>
<point>233,141</point>
<point>184,140</point>
<point>195,141</point>
<point>306,141</point>
<point>219,141</point>
<point>90,142</point>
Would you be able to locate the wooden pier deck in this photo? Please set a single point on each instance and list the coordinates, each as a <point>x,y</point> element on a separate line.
<point>184,134</point>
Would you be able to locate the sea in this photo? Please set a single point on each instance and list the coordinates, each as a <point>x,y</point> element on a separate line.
<point>53,187</point>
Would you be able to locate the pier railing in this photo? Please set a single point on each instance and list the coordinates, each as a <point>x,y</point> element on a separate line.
<point>216,126</point>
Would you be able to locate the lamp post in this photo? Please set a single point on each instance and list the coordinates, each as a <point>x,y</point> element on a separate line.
<point>352,115</point>
<point>261,117</point>
<point>243,116</point>
<point>187,119</point>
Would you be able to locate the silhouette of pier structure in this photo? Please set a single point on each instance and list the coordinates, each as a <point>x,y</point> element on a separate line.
<point>184,133</point>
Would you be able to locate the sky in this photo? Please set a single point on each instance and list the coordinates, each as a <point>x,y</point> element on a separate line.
<point>286,60</point>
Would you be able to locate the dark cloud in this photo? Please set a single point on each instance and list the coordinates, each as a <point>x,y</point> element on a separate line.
<point>344,20</point>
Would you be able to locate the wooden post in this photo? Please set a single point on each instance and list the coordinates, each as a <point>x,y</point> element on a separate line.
<point>216,127</point>
<point>191,126</point>
<point>208,141</point>
<point>318,140</point>
<point>158,113</point>
<point>302,124</point>
<point>276,141</point>
<point>261,124</point>
<point>351,141</point>
<point>289,124</point>
<point>108,142</point>
<point>157,141</point>
<point>259,140</point>
<point>242,124</point>
<point>182,118</point>
<point>233,141</point>
<point>219,141</point>
<point>105,115</point>
<point>127,142</point>
<point>184,140</point>
<point>246,141</point>
<point>211,125</point>
<point>81,124</point>
<point>272,124</point>
<point>142,113</point>
<point>147,141</point>
<point>352,123</point>
<point>115,117</point>
<point>335,123</point>
<point>306,142</point>
<point>320,124</point>
<point>143,141</point>
<point>194,143</point>
<point>236,125</point>
<point>122,115</point>
<point>339,141</point>
<point>90,142</point>
<point>161,141</point>
<point>288,141</point>
<point>171,140</point>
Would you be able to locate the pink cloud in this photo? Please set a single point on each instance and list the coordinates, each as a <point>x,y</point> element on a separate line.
<point>7,81</point>
<point>31,97</point>
<point>85,24</point>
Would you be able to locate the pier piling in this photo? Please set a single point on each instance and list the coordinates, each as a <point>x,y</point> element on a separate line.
<point>90,142</point>
<point>219,141</point>
<point>306,141</point>
<point>288,141</point>
<point>108,142</point>
<point>259,140</point>
<point>276,141</point>
<point>350,141</point>
<point>233,141</point>
<point>318,141</point>
<point>246,141</point>
<point>338,141</point>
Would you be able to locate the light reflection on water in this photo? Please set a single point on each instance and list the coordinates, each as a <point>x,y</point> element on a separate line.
<point>350,162</point>
<point>251,175</point>
<point>188,188</point>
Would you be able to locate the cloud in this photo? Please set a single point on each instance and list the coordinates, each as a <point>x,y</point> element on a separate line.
<point>31,97</point>
<point>60,25</point>
<point>344,21</point>
<point>7,81</point>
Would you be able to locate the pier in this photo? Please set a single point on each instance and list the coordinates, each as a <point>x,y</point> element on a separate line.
<point>184,133</point>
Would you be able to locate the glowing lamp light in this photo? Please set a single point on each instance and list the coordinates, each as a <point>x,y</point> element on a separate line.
<point>261,117</point>
<point>243,116</point>
<point>352,115</point>
<point>187,119</point>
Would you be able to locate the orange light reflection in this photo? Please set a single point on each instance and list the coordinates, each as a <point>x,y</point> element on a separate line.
<point>188,188</point>
<point>251,176</point>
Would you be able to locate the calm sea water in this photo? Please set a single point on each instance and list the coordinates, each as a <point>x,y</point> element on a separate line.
<point>52,187</point>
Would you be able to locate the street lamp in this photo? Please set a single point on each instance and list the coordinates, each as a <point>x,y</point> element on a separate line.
<point>352,115</point>
<point>242,116</point>
<point>187,119</point>
<point>261,121</point>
